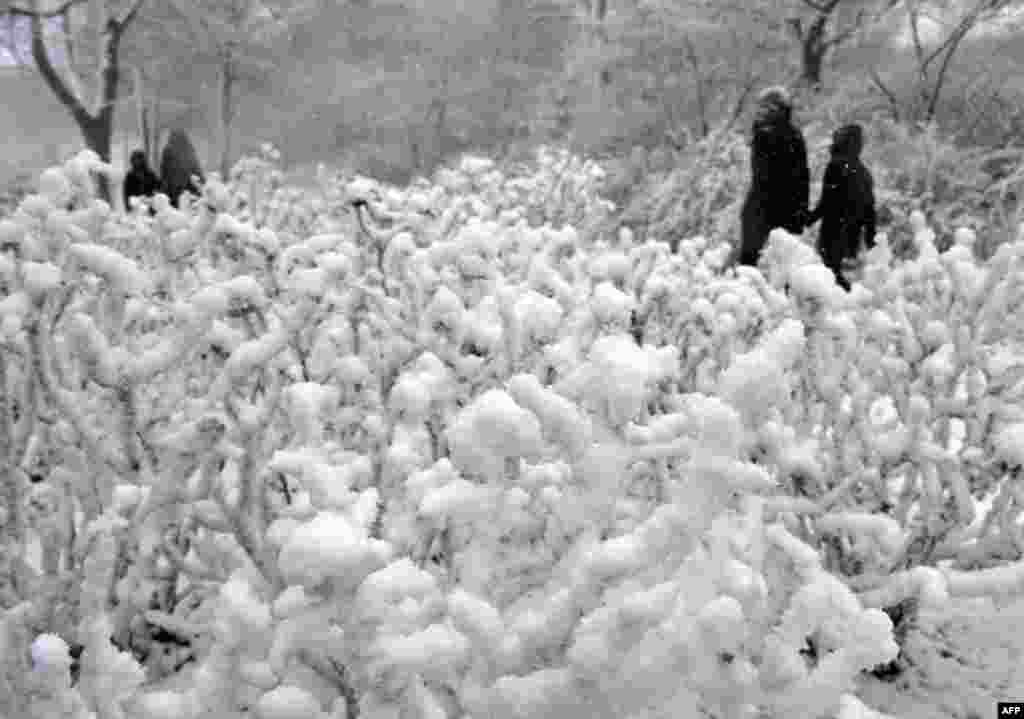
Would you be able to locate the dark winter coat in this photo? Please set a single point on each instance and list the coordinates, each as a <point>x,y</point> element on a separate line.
<point>847,204</point>
<point>178,164</point>
<point>140,181</point>
<point>780,183</point>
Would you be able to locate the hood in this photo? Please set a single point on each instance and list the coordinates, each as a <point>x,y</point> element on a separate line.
<point>848,141</point>
<point>774,106</point>
<point>138,160</point>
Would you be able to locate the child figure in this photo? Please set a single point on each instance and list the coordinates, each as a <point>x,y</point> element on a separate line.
<point>847,205</point>
<point>140,181</point>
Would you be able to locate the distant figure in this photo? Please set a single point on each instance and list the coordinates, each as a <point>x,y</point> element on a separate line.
<point>178,163</point>
<point>780,180</point>
<point>847,205</point>
<point>140,181</point>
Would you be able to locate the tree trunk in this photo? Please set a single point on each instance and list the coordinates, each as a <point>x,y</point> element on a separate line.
<point>813,48</point>
<point>227,113</point>
<point>415,150</point>
<point>155,120</point>
<point>146,128</point>
<point>98,134</point>
<point>600,40</point>
<point>940,79</point>
<point>699,90</point>
<point>144,118</point>
<point>101,130</point>
<point>440,131</point>
<point>12,490</point>
<point>96,127</point>
<point>563,117</point>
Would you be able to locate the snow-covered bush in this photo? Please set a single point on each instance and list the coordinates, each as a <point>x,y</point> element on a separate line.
<point>452,460</point>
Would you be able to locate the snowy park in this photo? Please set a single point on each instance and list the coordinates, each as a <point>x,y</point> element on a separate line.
<point>547,431</point>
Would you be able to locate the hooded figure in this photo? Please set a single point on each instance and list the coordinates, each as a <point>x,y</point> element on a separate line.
<point>847,205</point>
<point>178,164</point>
<point>140,181</point>
<point>780,180</point>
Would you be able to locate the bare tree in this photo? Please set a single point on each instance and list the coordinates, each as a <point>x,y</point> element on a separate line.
<point>819,27</point>
<point>703,59</point>
<point>934,60</point>
<point>594,16</point>
<point>162,94</point>
<point>241,39</point>
<point>827,27</point>
<point>93,116</point>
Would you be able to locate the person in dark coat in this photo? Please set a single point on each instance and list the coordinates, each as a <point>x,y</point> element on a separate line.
<point>780,179</point>
<point>140,181</point>
<point>179,163</point>
<point>847,204</point>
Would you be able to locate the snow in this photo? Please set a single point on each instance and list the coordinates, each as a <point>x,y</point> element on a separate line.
<point>123,273</point>
<point>328,545</point>
<point>398,580</point>
<point>40,277</point>
<point>491,429</point>
<point>291,601</point>
<point>458,499</point>
<point>165,705</point>
<point>247,608</point>
<point>50,650</point>
<point>569,520</point>
<point>1009,444</point>
<point>610,305</point>
<point>722,625</point>
<point>287,703</point>
<point>968,659</point>
<point>55,186</point>
<point>437,645</point>
<point>815,282</point>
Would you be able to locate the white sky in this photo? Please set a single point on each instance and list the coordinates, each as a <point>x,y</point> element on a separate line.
<point>930,31</point>
<point>5,55</point>
<point>933,30</point>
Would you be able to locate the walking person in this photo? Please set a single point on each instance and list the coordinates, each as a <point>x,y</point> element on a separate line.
<point>780,179</point>
<point>846,207</point>
<point>179,164</point>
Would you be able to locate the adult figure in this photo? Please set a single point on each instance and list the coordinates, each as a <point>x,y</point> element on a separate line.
<point>179,163</point>
<point>780,179</point>
<point>140,181</point>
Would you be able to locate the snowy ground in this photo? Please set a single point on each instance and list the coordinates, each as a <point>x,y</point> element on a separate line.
<point>964,662</point>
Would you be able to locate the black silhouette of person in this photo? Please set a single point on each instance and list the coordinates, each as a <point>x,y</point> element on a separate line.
<point>780,179</point>
<point>179,163</point>
<point>140,181</point>
<point>846,207</point>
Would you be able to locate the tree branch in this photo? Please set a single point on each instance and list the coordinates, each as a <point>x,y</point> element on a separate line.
<point>797,26</point>
<point>839,38</point>
<point>876,79</point>
<point>130,14</point>
<point>914,16</point>
<point>741,101</point>
<point>74,79</point>
<point>46,15</point>
<point>41,55</point>
<point>940,78</point>
<point>699,79</point>
<point>965,25</point>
